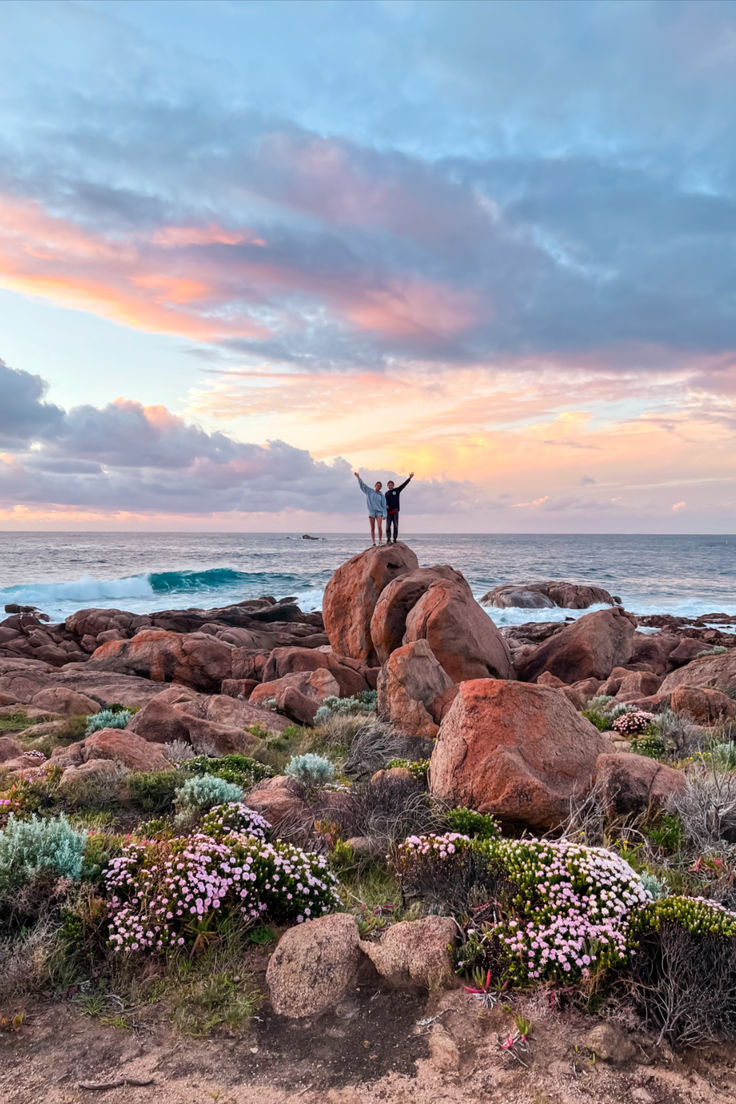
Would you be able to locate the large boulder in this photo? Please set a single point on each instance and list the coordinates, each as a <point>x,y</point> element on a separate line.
<point>462,637</point>
<point>715,672</point>
<point>350,674</point>
<point>631,783</point>
<point>388,623</point>
<point>203,720</point>
<point>298,695</point>
<point>120,744</point>
<point>194,659</point>
<point>10,748</point>
<point>623,684</point>
<point>518,751</point>
<point>314,966</point>
<point>59,699</point>
<point>544,595</point>
<point>414,690</point>
<point>707,707</point>
<point>351,595</point>
<point>280,802</point>
<point>416,953</point>
<point>589,648</point>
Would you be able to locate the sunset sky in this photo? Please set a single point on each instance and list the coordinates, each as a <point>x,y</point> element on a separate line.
<point>247,247</point>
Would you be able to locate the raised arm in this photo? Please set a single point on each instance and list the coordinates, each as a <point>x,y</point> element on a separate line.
<point>406,482</point>
<point>362,485</point>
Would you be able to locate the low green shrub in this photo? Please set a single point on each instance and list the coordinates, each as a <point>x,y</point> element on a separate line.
<point>364,702</point>
<point>417,768</point>
<point>472,824</point>
<point>155,791</point>
<point>32,847</point>
<point>240,769</point>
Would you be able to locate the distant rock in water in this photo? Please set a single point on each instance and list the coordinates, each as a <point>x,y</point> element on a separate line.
<point>307,536</point>
<point>547,595</point>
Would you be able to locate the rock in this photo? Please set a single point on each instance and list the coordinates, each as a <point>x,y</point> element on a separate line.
<point>388,623</point>
<point>10,748</point>
<point>59,699</point>
<point>609,1043</point>
<point>415,953</point>
<point>623,683</point>
<point>239,688</point>
<point>705,706</point>
<point>276,800</point>
<point>444,1053</point>
<point>350,675</point>
<point>632,783</point>
<point>298,695</point>
<point>515,750</point>
<point>547,594</point>
<point>351,595</point>
<point>414,690</point>
<point>688,649</point>
<point>462,637</point>
<point>314,966</point>
<point>194,659</point>
<point>589,648</point>
<point>584,688</point>
<point>120,744</point>
<point>651,653</point>
<point>92,769</point>
<point>711,672</point>
<point>216,720</point>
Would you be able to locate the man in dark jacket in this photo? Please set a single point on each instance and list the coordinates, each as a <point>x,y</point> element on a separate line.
<point>392,507</point>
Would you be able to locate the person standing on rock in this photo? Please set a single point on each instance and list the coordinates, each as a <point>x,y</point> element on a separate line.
<point>376,501</point>
<point>392,507</point>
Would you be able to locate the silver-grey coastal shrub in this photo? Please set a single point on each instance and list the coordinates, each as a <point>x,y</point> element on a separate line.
<point>32,847</point>
<point>204,792</point>
<point>312,770</point>
<point>107,718</point>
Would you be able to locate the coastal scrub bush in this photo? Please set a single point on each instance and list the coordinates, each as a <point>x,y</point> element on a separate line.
<point>178,894</point>
<point>235,818</point>
<point>364,702</point>
<point>387,810</point>
<point>470,823</point>
<point>203,792</point>
<point>154,791</point>
<point>683,978</point>
<point>417,767</point>
<point>310,769</point>
<point>29,848</point>
<point>372,745</point>
<point>239,769</point>
<point>107,718</point>
<point>707,806</point>
<point>442,870</point>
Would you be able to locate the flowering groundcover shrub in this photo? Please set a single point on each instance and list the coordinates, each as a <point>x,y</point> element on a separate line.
<point>632,724</point>
<point>560,910</point>
<point>174,894</point>
<point>235,817</point>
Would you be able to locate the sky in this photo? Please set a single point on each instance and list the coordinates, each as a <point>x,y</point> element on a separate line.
<point>247,248</point>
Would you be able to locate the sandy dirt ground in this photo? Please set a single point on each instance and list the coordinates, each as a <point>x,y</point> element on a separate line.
<point>376,1047</point>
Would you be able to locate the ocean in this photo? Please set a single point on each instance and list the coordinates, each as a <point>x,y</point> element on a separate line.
<point>140,572</point>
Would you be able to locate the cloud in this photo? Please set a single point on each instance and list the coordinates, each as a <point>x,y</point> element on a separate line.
<point>23,413</point>
<point>677,506</point>
<point>533,505</point>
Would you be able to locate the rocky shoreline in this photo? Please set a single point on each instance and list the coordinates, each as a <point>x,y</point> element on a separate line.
<point>211,678</point>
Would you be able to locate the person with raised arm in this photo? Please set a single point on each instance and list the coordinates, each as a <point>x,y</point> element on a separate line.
<point>376,501</point>
<point>392,507</point>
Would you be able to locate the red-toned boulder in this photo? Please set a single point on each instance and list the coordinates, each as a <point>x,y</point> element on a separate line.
<point>241,688</point>
<point>388,623</point>
<point>515,750</point>
<point>120,744</point>
<point>589,648</point>
<point>203,720</point>
<point>414,690</point>
<point>716,672</point>
<point>461,635</point>
<point>703,705</point>
<point>623,684</point>
<point>689,648</point>
<point>543,595</point>
<point>415,953</point>
<point>10,748</point>
<point>194,659</point>
<point>351,595</point>
<point>633,783</point>
<point>277,800</point>
<point>298,695</point>
<point>92,769</point>
<point>59,699</point>
<point>350,674</point>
